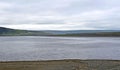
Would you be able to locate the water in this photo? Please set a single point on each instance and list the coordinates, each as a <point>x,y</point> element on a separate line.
<point>20,48</point>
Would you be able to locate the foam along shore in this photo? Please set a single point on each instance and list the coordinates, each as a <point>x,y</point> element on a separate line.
<point>61,65</point>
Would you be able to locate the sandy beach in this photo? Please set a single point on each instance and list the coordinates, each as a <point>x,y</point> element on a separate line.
<point>61,65</point>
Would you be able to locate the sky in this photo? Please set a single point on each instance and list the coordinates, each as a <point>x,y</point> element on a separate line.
<point>60,14</point>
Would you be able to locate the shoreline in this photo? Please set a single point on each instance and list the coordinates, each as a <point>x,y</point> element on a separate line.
<point>61,60</point>
<point>65,64</point>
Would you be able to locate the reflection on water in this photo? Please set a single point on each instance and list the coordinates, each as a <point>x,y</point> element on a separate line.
<point>50,48</point>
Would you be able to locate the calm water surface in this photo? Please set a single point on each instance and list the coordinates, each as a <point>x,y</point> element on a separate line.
<point>49,48</point>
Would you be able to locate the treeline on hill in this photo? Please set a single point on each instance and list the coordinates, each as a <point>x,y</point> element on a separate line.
<point>102,34</point>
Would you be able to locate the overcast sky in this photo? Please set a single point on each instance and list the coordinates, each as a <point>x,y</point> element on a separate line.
<point>60,14</point>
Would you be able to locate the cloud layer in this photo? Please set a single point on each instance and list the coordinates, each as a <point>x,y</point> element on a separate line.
<point>60,14</point>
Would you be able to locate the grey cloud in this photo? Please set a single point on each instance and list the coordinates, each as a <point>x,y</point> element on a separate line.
<point>70,14</point>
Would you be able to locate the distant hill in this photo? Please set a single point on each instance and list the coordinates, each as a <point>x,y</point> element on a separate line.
<point>8,31</point>
<point>80,33</point>
<point>15,32</point>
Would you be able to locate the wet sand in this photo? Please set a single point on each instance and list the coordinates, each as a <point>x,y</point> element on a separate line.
<point>61,65</point>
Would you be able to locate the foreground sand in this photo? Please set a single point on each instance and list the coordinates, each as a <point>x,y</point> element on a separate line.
<point>62,65</point>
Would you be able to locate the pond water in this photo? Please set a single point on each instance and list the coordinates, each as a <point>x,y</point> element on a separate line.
<point>19,48</point>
